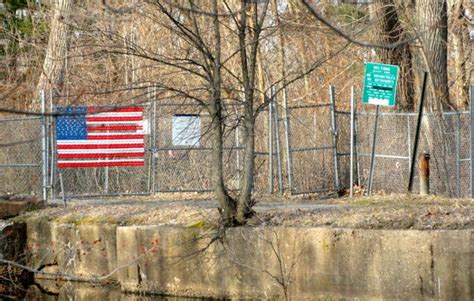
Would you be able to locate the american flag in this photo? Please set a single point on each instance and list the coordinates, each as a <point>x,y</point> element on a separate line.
<point>97,137</point>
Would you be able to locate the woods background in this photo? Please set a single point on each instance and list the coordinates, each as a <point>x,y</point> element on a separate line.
<point>207,56</point>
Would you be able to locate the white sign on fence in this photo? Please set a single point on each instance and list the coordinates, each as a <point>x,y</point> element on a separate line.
<point>186,130</point>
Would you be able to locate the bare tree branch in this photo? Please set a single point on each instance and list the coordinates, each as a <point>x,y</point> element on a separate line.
<point>349,38</point>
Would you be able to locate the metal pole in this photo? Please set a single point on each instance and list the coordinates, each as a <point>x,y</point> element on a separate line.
<point>315,132</point>
<point>417,133</point>
<point>458,167</point>
<point>289,162</point>
<point>409,140</point>
<point>237,151</point>
<point>66,73</point>
<point>351,159</point>
<point>356,143</point>
<point>372,155</point>
<point>52,156</point>
<point>44,147</point>
<point>270,147</point>
<point>106,180</point>
<point>334,135</point>
<point>48,149</point>
<point>52,136</point>
<point>277,140</point>
<point>150,139</point>
<point>472,140</point>
<point>63,194</point>
<point>154,152</point>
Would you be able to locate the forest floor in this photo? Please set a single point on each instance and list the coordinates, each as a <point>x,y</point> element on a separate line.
<point>196,210</point>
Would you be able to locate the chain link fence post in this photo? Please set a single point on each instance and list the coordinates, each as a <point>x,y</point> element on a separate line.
<point>237,154</point>
<point>52,137</point>
<point>472,140</point>
<point>150,142</point>
<point>44,146</point>
<point>409,139</point>
<point>289,164</point>
<point>270,145</point>
<point>332,99</point>
<point>373,154</point>
<point>457,149</point>
<point>351,138</point>
<point>154,152</point>
<point>277,139</point>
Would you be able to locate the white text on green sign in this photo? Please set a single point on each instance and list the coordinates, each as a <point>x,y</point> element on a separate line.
<point>380,84</point>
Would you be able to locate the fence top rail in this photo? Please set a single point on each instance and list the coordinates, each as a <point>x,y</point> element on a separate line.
<point>198,148</point>
<point>193,104</point>
<point>19,119</point>
<point>318,105</point>
<point>12,165</point>
<point>410,113</point>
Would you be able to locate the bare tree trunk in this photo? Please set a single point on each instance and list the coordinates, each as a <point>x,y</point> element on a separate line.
<point>458,38</point>
<point>248,61</point>
<point>245,202</point>
<point>227,204</point>
<point>246,183</point>
<point>431,55</point>
<point>388,30</point>
<point>432,23</point>
<point>52,76</point>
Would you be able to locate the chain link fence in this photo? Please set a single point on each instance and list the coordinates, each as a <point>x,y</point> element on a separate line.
<point>303,148</point>
<point>170,166</point>
<point>312,152</point>
<point>446,139</point>
<point>343,133</point>
<point>100,181</point>
<point>177,168</point>
<point>20,155</point>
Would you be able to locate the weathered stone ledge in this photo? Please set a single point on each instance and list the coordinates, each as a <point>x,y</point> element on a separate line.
<point>12,205</point>
<point>262,262</point>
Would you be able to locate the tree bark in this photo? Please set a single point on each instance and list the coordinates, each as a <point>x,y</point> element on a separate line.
<point>245,204</point>
<point>432,25</point>
<point>388,30</point>
<point>52,75</point>
<point>246,182</point>
<point>248,61</point>
<point>227,204</point>
<point>458,41</point>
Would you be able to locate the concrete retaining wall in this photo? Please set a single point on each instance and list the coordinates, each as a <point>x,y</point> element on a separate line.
<point>87,250</point>
<point>265,262</point>
<point>14,205</point>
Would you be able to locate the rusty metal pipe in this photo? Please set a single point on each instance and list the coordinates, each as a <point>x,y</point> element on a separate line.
<point>424,169</point>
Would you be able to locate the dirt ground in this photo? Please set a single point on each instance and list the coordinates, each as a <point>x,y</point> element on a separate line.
<point>199,210</point>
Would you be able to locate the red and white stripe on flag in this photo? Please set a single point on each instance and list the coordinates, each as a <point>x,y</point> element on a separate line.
<point>100,137</point>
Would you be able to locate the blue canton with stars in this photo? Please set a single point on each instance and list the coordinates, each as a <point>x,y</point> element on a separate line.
<point>72,125</point>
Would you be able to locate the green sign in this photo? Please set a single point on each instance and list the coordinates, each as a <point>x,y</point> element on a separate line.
<point>380,84</point>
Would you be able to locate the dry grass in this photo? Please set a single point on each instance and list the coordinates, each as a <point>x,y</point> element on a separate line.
<point>377,212</point>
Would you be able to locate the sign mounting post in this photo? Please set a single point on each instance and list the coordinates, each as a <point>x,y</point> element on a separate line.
<point>380,88</point>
